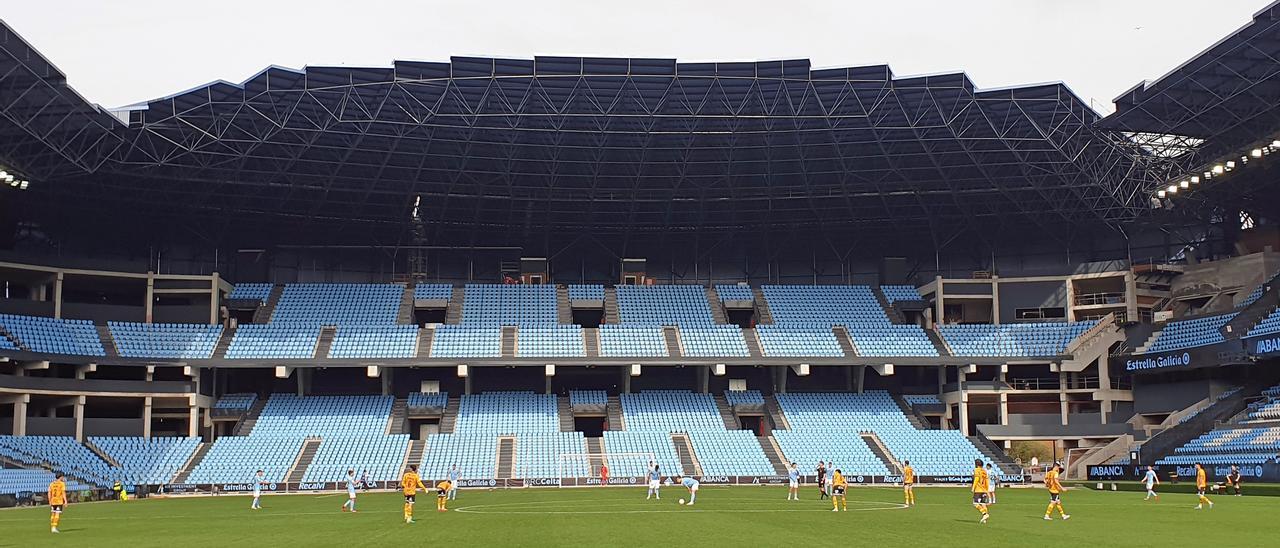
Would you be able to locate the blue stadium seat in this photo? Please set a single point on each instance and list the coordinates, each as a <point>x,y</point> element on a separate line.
<point>467,341</point>
<point>165,340</point>
<point>148,461</point>
<point>679,305</point>
<point>1190,333</point>
<point>54,336</point>
<point>1041,339</point>
<point>549,340</point>
<point>628,341</point>
<point>375,341</point>
<point>507,304</point>
<point>274,340</point>
<point>339,303</point>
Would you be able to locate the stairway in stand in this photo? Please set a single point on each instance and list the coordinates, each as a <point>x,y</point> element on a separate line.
<point>266,310</point>
<point>776,416</point>
<point>396,422</point>
<point>672,335</point>
<point>325,342</point>
<point>220,351</point>
<point>108,343</point>
<point>192,463</point>
<point>726,413</point>
<point>753,343</point>
<point>595,448</point>
<point>771,450</point>
<point>506,457</point>
<point>406,305</point>
<point>882,452</point>
<point>425,336</point>
<point>564,308</point>
<point>684,450</point>
<point>613,409</point>
<point>610,305</point>
<point>894,314</point>
<point>450,417</point>
<point>846,342</point>
<point>565,413</point>
<point>717,307</point>
<point>417,448</point>
<point>509,336</point>
<point>763,314</point>
<point>305,456</point>
<point>591,342</point>
<point>246,424</point>
<point>453,311</point>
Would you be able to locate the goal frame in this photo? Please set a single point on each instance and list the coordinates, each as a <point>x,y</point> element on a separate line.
<point>593,472</point>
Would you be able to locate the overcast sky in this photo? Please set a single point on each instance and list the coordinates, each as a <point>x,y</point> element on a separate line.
<point>126,51</point>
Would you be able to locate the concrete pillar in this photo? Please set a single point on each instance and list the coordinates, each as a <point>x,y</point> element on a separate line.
<point>1062,398</point>
<point>1103,410</point>
<point>1004,409</point>
<point>466,384</point>
<point>781,375</point>
<point>995,299</point>
<point>146,417</point>
<point>861,379</point>
<point>214,296</point>
<point>1071,299</point>
<point>964,414</point>
<point>20,403</point>
<point>1131,295</point>
<point>193,420</point>
<point>704,379</point>
<point>57,296</point>
<point>942,379</point>
<point>78,413</point>
<point>151,373</point>
<point>1104,372</point>
<point>387,381</point>
<point>939,318</point>
<point>848,378</point>
<point>148,307</point>
<point>548,389</point>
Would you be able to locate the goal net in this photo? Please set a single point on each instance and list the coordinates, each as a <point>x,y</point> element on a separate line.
<point>586,468</point>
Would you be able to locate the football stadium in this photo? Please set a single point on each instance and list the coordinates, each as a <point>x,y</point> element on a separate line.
<point>628,301</point>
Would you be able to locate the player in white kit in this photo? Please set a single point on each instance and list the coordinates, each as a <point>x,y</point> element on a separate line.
<point>1151,480</point>
<point>258,482</point>
<point>793,482</point>
<point>351,492</point>
<point>655,483</point>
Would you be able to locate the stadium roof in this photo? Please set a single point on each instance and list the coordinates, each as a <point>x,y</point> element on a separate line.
<point>587,144</point>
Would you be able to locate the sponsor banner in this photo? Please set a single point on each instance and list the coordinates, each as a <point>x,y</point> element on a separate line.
<point>716,480</point>
<point>478,483</point>
<point>1148,362</point>
<point>182,488</point>
<point>315,486</point>
<point>1265,346</point>
<point>1268,472</point>
<point>242,487</point>
<point>1114,472</point>
<point>769,480</point>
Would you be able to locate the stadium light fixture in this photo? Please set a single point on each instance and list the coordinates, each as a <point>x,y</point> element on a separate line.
<point>1160,194</point>
<point>1173,189</point>
<point>1219,169</point>
<point>1195,179</point>
<point>1185,184</point>
<point>1230,165</point>
<point>1256,153</point>
<point>1275,144</point>
<point>24,184</point>
<point>3,173</point>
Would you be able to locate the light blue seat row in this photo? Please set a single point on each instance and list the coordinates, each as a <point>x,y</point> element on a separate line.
<point>378,455</point>
<point>782,340</point>
<point>421,400</point>
<point>894,293</point>
<point>148,461</point>
<point>240,402</point>
<point>586,292</point>
<point>1190,333</point>
<point>507,413</point>
<point>549,340</point>
<point>824,304</point>
<point>433,292</point>
<point>890,340</point>
<point>588,397</point>
<point>61,453</point>
<point>641,445</point>
<point>1037,339</point>
<point>274,340</point>
<point>54,336</point>
<point>711,341</point>
<point>670,411</point>
<point>1268,325</point>
<point>22,480</point>
<point>1251,298</point>
<point>474,455</point>
<point>540,456</point>
<point>251,292</point>
<point>843,448</point>
<point>730,453</point>
<point>467,341</point>
<point>922,399</point>
<point>509,304</point>
<point>339,303</point>
<point>682,305</point>
<point>735,292</point>
<point>744,397</point>
<point>165,340</point>
<point>626,341</point>
<point>375,341</point>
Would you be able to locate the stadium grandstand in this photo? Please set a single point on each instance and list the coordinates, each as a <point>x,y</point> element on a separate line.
<point>716,267</point>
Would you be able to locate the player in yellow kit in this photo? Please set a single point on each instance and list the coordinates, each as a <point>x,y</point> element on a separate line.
<point>908,482</point>
<point>442,495</point>
<point>838,486</point>
<point>57,501</point>
<point>1055,493</point>
<point>1202,483</point>
<point>979,488</point>
<point>410,483</point>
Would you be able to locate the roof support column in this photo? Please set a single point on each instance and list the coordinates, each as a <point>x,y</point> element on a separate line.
<point>146,417</point>
<point>149,306</point>
<point>57,296</point>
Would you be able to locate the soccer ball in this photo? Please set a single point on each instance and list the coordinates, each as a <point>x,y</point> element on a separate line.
<point>681,502</point>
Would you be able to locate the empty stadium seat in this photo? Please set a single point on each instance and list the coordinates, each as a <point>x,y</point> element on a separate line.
<point>735,292</point>
<point>1190,333</point>
<point>250,292</point>
<point>165,340</point>
<point>798,341</point>
<point>467,341</point>
<point>433,292</point>
<point>339,303</point>
<point>274,340</point>
<point>54,336</point>
<point>507,304</point>
<point>1268,325</point>
<point>894,293</point>
<point>670,411</point>
<point>148,461</point>
<point>549,340</point>
<point>680,305</point>
<point>1038,339</point>
<point>628,341</point>
<point>710,341</point>
<point>63,454</point>
<point>374,341</point>
<point>586,292</point>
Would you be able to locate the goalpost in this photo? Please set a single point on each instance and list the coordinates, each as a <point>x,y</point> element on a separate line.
<point>581,468</point>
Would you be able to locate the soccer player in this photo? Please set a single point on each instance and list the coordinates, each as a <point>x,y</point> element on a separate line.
<point>442,495</point>
<point>364,480</point>
<point>1233,479</point>
<point>1152,480</point>
<point>831,470</point>
<point>822,480</point>
<point>793,477</point>
<point>908,483</point>
<point>979,489</point>
<point>993,481</point>
<point>57,500</point>
<point>1202,483</point>
<point>838,485</point>
<point>1055,493</point>
<point>351,491</point>
<point>453,482</point>
<point>410,483</point>
<point>655,482</point>
<point>258,482</point>
<point>692,485</point>
<point>604,475</point>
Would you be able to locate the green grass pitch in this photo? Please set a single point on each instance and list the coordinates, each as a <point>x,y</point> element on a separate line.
<point>724,516</point>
